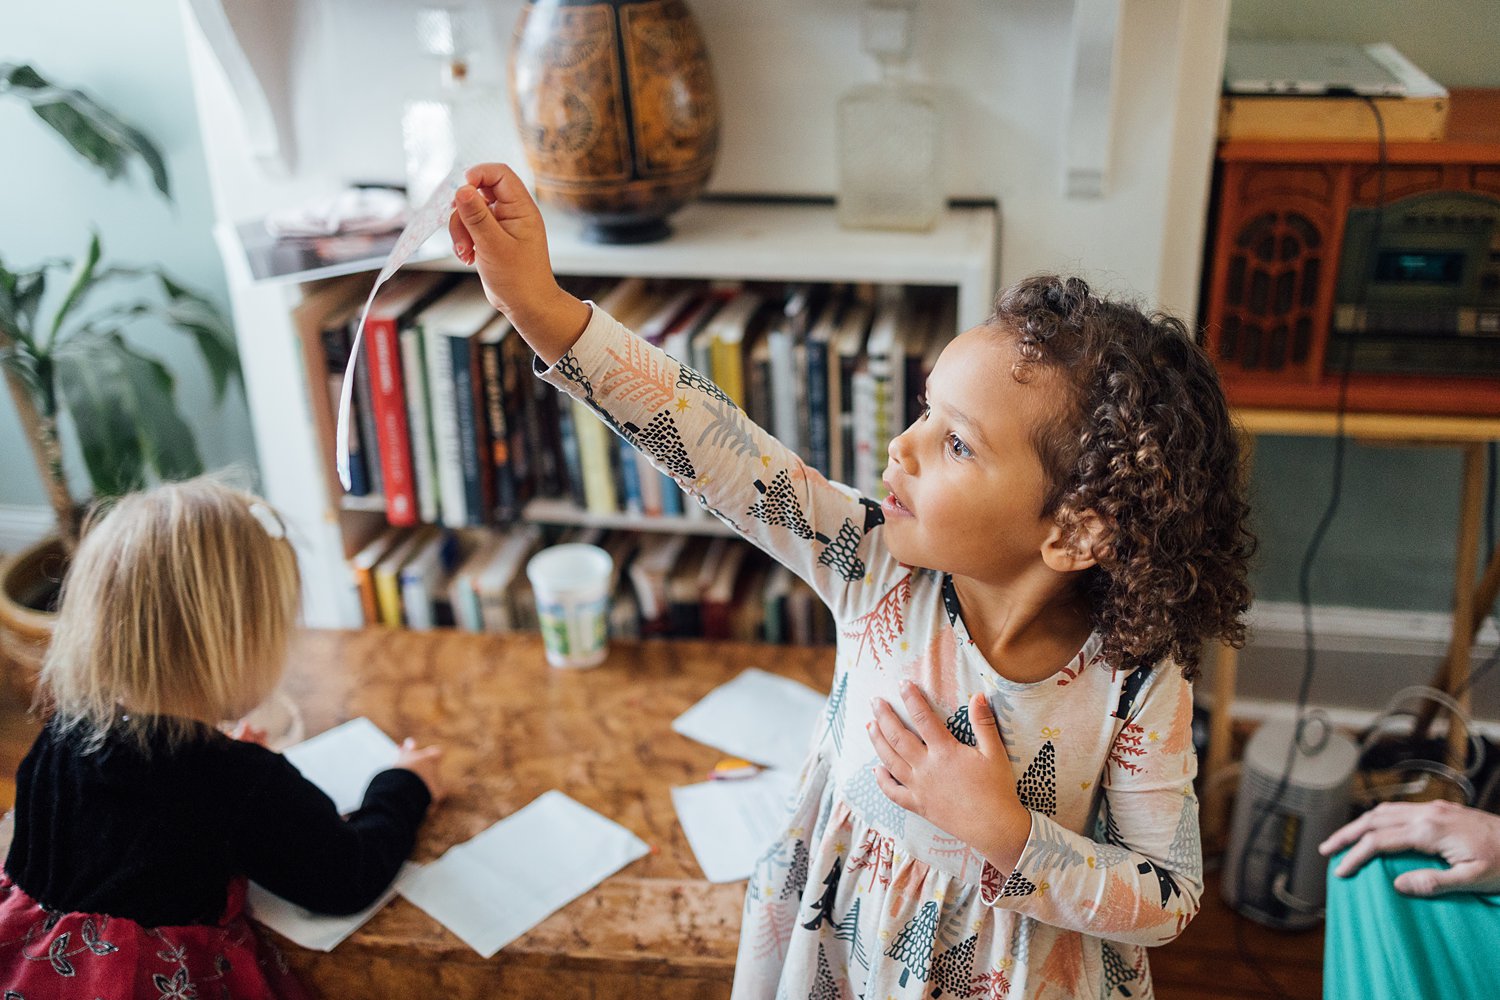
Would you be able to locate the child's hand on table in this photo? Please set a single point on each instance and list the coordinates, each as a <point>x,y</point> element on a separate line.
<point>497,228</point>
<point>423,762</point>
<point>970,792</point>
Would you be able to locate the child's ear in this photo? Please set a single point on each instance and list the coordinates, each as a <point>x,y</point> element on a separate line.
<point>1074,542</point>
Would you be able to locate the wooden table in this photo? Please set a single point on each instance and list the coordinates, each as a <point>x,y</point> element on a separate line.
<point>515,728</point>
<point>1471,600</point>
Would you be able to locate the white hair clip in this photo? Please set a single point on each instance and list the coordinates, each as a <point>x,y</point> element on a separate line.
<point>269,519</point>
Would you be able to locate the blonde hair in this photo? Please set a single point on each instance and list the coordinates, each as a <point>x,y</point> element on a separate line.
<point>176,612</point>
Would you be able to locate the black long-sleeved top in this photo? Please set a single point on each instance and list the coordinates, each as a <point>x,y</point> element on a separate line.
<point>157,838</point>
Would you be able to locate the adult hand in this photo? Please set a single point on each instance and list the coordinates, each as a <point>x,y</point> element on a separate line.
<point>496,227</point>
<point>423,762</point>
<point>969,792</point>
<point>1467,839</point>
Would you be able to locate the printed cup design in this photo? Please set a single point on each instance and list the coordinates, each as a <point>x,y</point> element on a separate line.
<point>571,584</point>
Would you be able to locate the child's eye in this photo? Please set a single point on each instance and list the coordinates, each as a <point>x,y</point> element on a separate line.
<point>958,448</point>
<point>923,407</point>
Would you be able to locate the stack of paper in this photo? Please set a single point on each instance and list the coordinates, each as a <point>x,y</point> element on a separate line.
<point>761,717</point>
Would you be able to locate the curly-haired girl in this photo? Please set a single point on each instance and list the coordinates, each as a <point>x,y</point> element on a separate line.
<point>1000,801</point>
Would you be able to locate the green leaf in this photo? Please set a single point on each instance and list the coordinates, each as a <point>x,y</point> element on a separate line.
<point>95,132</point>
<point>165,436</point>
<point>99,395</point>
<point>197,316</point>
<point>82,280</point>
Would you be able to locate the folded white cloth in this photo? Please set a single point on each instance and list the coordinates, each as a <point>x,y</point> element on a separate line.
<point>357,210</point>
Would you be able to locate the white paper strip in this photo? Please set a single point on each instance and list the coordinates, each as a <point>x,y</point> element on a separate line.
<point>424,222</point>
<point>758,716</point>
<point>492,889</point>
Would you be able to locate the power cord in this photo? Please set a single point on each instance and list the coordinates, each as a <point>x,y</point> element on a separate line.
<point>1304,595</point>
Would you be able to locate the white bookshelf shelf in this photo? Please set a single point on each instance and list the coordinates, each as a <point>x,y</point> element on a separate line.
<point>755,240</point>
<point>550,510</point>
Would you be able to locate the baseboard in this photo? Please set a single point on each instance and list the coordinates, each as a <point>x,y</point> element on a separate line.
<point>20,525</point>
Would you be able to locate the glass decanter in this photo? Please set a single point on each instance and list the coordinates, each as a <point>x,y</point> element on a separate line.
<point>888,135</point>
<point>458,123</point>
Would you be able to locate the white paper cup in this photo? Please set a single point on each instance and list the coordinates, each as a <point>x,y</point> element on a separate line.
<point>571,584</point>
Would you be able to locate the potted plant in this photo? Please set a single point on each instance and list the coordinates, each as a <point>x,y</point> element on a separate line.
<point>64,352</point>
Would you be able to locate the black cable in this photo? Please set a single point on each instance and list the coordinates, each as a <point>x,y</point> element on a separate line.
<point>1304,592</point>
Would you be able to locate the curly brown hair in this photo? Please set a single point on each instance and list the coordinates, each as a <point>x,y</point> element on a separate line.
<point>1146,445</point>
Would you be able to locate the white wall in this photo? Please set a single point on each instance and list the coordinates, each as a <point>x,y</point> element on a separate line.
<point>132,58</point>
<point>781,66</point>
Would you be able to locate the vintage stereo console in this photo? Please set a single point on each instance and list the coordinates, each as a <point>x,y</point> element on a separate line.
<point>1324,257</point>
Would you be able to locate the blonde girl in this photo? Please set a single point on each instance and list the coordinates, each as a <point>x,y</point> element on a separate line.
<point>137,822</point>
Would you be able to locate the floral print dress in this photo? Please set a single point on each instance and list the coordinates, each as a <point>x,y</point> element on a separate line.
<point>859,898</point>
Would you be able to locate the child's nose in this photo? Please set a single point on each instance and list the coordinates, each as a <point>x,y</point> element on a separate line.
<point>900,451</point>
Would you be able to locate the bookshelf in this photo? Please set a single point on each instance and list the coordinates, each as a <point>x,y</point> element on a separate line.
<point>770,240</point>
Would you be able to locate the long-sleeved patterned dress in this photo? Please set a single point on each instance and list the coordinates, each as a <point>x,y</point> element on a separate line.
<point>858,897</point>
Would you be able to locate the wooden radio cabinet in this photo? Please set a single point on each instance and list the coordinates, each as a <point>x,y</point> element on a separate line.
<point>1320,256</point>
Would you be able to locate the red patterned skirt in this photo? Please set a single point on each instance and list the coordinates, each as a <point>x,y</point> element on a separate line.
<point>45,954</point>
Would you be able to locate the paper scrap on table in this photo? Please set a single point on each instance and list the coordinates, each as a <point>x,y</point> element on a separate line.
<point>758,716</point>
<point>729,823</point>
<point>342,760</point>
<point>424,222</point>
<point>313,930</point>
<point>492,889</point>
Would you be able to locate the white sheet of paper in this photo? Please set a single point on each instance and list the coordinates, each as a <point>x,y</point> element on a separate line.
<point>495,887</point>
<point>758,716</point>
<point>342,760</point>
<point>729,823</point>
<point>312,930</point>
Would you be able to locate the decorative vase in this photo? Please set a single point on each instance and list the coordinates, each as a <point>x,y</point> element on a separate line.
<point>615,104</point>
<point>29,583</point>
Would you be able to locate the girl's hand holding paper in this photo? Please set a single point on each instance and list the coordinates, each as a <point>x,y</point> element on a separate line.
<point>497,228</point>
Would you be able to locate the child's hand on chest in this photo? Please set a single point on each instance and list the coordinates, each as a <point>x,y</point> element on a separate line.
<point>967,791</point>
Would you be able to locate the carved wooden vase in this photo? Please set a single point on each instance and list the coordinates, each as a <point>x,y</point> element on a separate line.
<point>615,104</point>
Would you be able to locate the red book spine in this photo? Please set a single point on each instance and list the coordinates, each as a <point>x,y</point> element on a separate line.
<point>383,355</point>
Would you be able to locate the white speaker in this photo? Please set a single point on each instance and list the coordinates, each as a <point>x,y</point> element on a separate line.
<point>1273,872</point>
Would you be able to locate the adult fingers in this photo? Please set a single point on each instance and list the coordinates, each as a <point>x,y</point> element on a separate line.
<point>1382,841</point>
<point>923,718</point>
<point>1438,881</point>
<point>986,727</point>
<point>889,755</point>
<point>1385,815</point>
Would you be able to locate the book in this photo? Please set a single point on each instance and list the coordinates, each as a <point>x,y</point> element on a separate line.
<point>865,464</point>
<point>336,344</point>
<point>845,351</point>
<point>886,355</point>
<point>918,320</point>
<point>720,588</point>
<point>726,332</point>
<point>784,339</point>
<point>649,572</point>
<point>462,594</point>
<point>387,575</point>
<point>423,581</point>
<point>309,319</point>
<point>403,295</point>
<point>448,328</point>
<point>820,416</point>
<point>362,570</point>
<point>364,415</point>
<point>496,583</point>
<point>419,424</point>
<point>497,406</point>
<point>595,465</point>
<point>778,585</point>
<point>684,609</point>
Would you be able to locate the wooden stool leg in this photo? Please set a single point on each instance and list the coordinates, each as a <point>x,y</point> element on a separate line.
<point>1456,668</point>
<point>1214,820</point>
